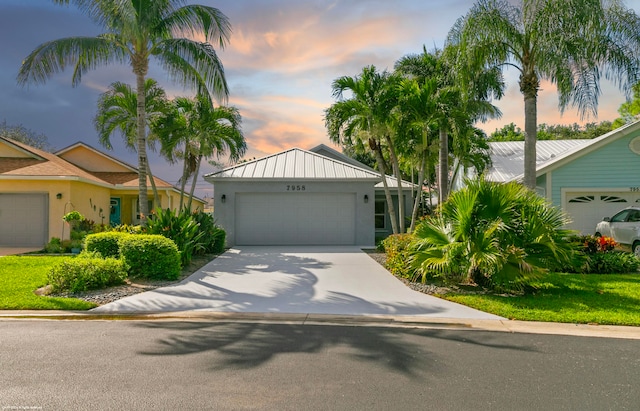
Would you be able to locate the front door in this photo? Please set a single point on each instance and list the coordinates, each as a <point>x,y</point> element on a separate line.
<point>114,212</point>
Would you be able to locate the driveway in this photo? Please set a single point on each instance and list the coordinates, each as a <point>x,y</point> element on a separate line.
<point>17,250</point>
<point>301,280</point>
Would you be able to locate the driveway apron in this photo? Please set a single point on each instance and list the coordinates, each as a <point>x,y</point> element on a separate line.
<point>293,279</point>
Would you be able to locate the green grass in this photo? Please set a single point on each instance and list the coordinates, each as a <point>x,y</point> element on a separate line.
<point>21,276</point>
<point>568,298</point>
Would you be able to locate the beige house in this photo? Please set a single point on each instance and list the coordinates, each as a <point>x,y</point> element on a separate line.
<point>37,188</point>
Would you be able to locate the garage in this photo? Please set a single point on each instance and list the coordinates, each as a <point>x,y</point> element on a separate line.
<point>295,218</point>
<point>23,220</point>
<point>588,208</point>
<point>295,197</point>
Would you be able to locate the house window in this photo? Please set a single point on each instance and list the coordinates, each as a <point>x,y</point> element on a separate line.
<point>136,216</point>
<point>612,199</point>
<point>380,214</point>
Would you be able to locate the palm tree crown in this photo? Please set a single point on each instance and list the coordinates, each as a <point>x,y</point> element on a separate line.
<point>137,30</point>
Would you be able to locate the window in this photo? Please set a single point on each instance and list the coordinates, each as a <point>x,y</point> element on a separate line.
<point>621,216</point>
<point>380,214</point>
<point>136,216</point>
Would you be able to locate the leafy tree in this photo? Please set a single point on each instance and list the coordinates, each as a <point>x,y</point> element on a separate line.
<point>554,132</point>
<point>363,119</point>
<point>568,42</point>
<point>510,132</point>
<point>137,30</point>
<point>495,234</point>
<point>24,135</point>
<point>118,111</point>
<point>629,110</point>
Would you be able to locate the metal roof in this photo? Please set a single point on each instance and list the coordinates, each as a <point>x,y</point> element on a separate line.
<point>295,163</point>
<point>508,156</point>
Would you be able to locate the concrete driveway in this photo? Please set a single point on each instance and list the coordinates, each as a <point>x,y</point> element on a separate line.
<point>301,280</point>
<point>17,250</point>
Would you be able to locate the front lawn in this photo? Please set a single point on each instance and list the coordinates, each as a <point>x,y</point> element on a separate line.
<point>21,275</point>
<point>568,298</point>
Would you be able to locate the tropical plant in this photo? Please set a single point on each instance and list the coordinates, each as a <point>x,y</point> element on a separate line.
<point>72,216</point>
<point>202,131</point>
<point>137,30</point>
<point>495,234</point>
<point>567,42</point>
<point>363,120</point>
<point>214,236</point>
<point>118,110</point>
<point>182,228</point>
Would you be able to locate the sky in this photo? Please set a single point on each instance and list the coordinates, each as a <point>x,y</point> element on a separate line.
<point>280,63</point>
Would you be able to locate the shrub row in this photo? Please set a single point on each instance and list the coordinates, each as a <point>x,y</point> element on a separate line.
<point>88,271</point>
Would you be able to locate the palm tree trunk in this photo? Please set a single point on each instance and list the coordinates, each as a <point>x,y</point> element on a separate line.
<point>530,138</point>
<point>443,166</point>
<point>416,203</point>
<point>142,152</point>
<point>396,172</point>
<point>193,182</point>
<point>183,181</point>
<point>387,193</point>
<point>156,197</point>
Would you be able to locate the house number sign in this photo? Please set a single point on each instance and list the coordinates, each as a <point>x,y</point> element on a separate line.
<point>634,189</point>
<point>296,187</point>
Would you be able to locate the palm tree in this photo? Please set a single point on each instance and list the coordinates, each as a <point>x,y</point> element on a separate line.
<point>567,42</point>
<point>117,110</point>
<point>194,129</point>
<point>453,104</point>
<point>363,119</point>
<point>136,30</point>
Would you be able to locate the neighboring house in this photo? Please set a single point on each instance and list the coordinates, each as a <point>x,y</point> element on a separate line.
<point>588,179</point>
<point>37,188</point>
<point>300,197</point>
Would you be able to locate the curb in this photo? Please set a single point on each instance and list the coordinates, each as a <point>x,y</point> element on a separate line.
<point>508,326</point>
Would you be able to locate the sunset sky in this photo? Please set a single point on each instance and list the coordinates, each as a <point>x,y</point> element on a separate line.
<point>280,63</point>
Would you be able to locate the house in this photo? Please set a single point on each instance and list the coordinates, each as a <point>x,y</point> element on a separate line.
<point>37,188</point>
<point>305,197</point>
<point>588,179</point>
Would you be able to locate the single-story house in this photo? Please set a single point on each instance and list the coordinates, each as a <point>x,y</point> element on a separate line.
<point>306,197</point>
<point>37,188</point>
<point>588,179</point>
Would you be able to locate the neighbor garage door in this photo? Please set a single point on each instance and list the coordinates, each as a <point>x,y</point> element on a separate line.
<point>295,218</point>
<point>588,208</point>
<point>23,220</point>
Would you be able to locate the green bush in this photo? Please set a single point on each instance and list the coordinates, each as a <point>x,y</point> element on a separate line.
<point>213,240</point>
<point>105,243</point>
<point>54,246</point>
<point>614,262</point>
<point>151,256</point>
<point>597,255</point>
<point>182,228</point>
<point>86,273</point>
<point>396,247</point>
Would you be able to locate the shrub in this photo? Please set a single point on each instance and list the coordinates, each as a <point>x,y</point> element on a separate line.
<point>396,247</point>
<point>214,237</point>
<point>150,256</point>
<point>597,255</point>
<point>615,262</point>
<point>54,246</point>
<point>126,228</point>
<point>87,273</point>
<point>106,243</point>
<point>182,228</point>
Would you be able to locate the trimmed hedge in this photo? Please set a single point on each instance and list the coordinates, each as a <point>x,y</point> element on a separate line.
<point>87,272</point>
<point>105,243</point>
<point>396,247</point>
<point>151,256</point>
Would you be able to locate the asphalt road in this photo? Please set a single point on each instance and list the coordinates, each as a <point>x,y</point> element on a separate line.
<point>203,365</point>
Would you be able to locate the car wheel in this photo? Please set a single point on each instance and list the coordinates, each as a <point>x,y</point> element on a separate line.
<point>636,248</point>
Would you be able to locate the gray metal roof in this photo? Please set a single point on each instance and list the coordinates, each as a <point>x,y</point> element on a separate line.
<point>295,163</point>
<point>508,156</point>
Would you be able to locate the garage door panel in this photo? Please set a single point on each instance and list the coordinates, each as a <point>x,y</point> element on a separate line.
<point>23,219</point>
<point>295,218</point>
<point>586,209</point>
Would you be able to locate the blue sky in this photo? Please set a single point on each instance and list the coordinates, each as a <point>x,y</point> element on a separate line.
<point>280,63</point>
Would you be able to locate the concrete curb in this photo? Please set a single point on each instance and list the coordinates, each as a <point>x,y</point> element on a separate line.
<point>509,326</point>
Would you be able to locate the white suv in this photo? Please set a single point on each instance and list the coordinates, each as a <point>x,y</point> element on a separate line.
<point>624,228</point>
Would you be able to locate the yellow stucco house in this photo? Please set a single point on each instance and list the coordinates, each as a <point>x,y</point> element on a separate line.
<point>37,188</point>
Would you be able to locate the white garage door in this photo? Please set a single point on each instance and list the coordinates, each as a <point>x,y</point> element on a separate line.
<point>23,220</point>
<point>587,209</point>
<point>295,218</point>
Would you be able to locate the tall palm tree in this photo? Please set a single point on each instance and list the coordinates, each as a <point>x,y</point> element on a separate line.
<point>364,119</point>
<point>118,110</point>
<point>136,30</point>
<point>193,129</point>
<point>453,103</point>
<point>567,42</point>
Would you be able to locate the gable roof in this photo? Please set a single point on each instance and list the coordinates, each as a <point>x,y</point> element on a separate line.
<point>295,163</point>
<point>508,156</point>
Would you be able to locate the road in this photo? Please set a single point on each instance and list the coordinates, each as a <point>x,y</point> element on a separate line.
<point>205,365</point>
